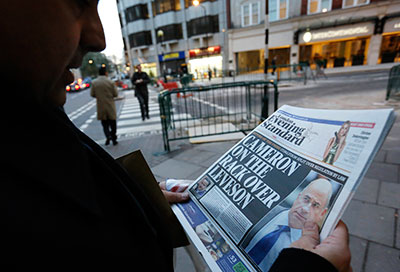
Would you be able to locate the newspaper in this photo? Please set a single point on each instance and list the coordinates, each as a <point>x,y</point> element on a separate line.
<point>298,164</point>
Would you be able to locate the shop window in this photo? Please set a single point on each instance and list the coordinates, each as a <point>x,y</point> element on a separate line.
<point>317,6</point>
<point>278,10</point>
<point>250,14</point>
<point>136,13</point>
<point>170,32</point>
<point>336,53</point>
<point>161,6</point>
<point>203,25</point>
<point>189,3</point>
<point>390,49</point>
<point>250,61</point>
<point>353,3</point>
<point>140,39</point>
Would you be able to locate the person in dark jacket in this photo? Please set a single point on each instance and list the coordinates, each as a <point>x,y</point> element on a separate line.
<point>140,80</point>
<point>65,203</point>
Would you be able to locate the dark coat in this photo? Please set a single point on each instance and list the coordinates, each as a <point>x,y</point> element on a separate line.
<point>140,88</point>
<point>63,199</point>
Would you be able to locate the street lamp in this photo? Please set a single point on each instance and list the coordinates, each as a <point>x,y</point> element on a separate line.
<point>196,3</point>
<point>160,34</point>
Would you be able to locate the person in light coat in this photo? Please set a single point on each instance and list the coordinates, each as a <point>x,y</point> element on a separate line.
<point>104,90</point>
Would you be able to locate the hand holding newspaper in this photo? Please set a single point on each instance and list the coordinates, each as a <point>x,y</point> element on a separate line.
<point>299,164</point>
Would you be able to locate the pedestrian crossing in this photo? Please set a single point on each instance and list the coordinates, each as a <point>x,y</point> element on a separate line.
<point>129,121</point>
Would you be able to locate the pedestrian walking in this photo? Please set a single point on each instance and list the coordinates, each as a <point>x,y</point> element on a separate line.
<point>273,62</point>
<point>319,63</point>
<point>209,74</point>
<point>140,80</point>
<point>104,90</point>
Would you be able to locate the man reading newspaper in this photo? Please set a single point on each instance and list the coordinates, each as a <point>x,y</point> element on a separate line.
<point>65,201</point>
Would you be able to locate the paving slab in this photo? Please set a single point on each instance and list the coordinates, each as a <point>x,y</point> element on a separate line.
<point>358,249</point>
<point>182,261</point>
<point>368,190</point>
<point>380,157</point>
<point>397,244</point>
<point>196,156</point>
<point>389,195</point>
<point>197,173</point>
<point>383,171</point>
<point>381,258</point>
<point>393,156</point>
<point>371,222</point>
<point>219,148</point>
<point>175,169</point>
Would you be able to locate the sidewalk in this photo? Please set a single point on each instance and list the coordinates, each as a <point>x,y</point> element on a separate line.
<point>329,72</point>
<point>372,216</point>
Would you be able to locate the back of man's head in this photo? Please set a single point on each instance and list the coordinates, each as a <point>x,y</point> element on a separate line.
<point>103,71</point>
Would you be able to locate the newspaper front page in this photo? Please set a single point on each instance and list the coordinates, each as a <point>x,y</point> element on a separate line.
<point>298,164</point>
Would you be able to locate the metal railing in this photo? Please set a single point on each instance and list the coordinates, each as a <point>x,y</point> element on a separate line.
<point>282,72</point>
<point>215,109</point>
<point>393,87</point>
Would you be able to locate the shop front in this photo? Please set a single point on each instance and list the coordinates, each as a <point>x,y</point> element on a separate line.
<point>171,63</point>
<point>390,46</point>
<point>336,47</point>
<point>150,68</point>
<point>250,61</point>
<point>203,60</point>
<point>253,61</point>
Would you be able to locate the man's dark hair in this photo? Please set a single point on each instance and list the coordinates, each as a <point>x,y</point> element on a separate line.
<point>102,71</point>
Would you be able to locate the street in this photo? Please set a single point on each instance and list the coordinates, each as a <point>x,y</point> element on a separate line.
<point>370,87</point>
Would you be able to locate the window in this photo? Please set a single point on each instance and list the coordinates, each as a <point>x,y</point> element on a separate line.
<point>251,14</point>
<point>278,9</point>
<point>136,13</point>
<point>161,6</point>
<point>353,3</point>
<point>317,6</point>
<point>202,25</point>
<point>140,39</point>
<point>170,32</point>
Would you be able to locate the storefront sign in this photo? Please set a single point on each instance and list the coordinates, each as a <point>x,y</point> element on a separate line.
<point>172,56</point>
<point>336,33</point>
<point>392,25</point>
<point>212,50</point>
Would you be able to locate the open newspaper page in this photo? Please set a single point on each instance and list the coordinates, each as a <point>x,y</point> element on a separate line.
<point>299,164</point>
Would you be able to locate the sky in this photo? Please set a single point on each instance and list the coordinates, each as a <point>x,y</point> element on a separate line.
<point>109,17</point>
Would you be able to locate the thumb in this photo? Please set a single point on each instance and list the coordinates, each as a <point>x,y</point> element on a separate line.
<point>176,197</point>
<point>309,238</point>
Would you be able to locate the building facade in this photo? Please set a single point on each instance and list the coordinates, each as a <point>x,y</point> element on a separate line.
<point>337,32</point>
<point>172,36</point>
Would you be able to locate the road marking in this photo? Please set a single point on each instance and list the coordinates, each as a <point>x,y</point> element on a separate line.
<point>77,113</point>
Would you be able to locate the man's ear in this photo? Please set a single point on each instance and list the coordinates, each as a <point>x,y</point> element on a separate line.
<point>323,213</point>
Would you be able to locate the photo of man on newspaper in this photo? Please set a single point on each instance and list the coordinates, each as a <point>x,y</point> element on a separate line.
<point>201,187</point>
<point>336,144</point>
<point>212,240</point>
<point>286,223</point>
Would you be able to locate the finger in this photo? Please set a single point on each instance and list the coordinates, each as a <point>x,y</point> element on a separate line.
<point>341,232</point>
<point>175,197</point>
<point>162,185</point>
<point>309,238</point>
